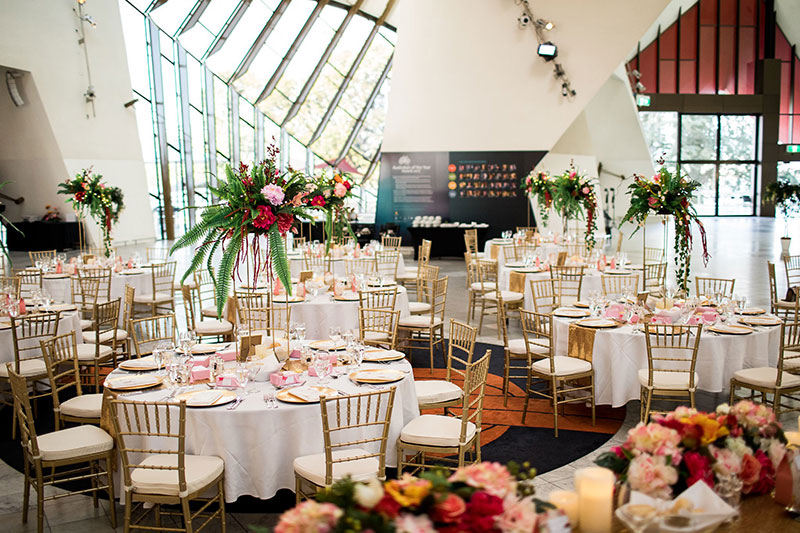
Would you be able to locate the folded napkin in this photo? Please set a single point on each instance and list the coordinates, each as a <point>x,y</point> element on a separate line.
<point>709,317</point>
<point>200,360</point>
<point>704,309</point>
<point>281,379</point>
<point>379,355</point>
<point>131,381</point>
<point>207,397</point>
<point>228,354</point>
<point>230,382</point>
<point>269,367</point>
<point>200,373</point>
<point>615,311</point>
<point>378,375</point>
<point>694,320</point>
<point>661,320</point>
<point>306,394</point>
<point>144,362</point>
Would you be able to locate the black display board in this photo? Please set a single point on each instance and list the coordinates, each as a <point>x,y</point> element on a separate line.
<point>458,186</point>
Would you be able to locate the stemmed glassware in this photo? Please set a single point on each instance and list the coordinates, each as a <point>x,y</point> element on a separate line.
<point>335,334</point>
<point>188,339</point>
<point>322,365</point>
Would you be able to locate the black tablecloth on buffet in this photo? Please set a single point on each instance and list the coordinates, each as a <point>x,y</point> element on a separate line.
<point>446,242</point>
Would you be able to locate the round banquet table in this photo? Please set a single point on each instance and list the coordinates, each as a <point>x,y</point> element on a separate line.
<point>591,281</point>
<point>619,353</point>
<point>68,321</point>
<point>492,249</point>
<point>259,444</point>
<point>297,264</point>
<point>319,313</point>
<point>59,285</point>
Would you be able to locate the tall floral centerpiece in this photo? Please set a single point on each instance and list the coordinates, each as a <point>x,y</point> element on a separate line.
<point>252,202</point>
<point>741,444</point>
<point>330,195</point>
<point>575,199</point>
<point>669,193</point>
<point>89,194</point>
<point>540,185</point>
<point>786,197</point>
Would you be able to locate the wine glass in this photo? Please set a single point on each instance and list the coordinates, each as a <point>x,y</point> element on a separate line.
<point>188,339</point>
<point>322,365</point>
<point>638,516</point>
<point>242,374</point>
<point>335,334</point>
<point>13,309</point>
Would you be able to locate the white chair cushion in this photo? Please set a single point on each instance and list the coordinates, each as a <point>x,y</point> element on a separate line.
<point>86,351</point>
<point>406,276</point>
<point>86,323</point>
<point>375,336</point>
<point>488,286</point>
<point>784,304</point>
<point>667,380</point>
<point>508,296</point>
<point>765,377</point>
<point>419,307</point>
<point>213,327</point>
<point>74,442</point>
<point>188,283</point>
<point>201,470</point>
<point>564,365</point>
<point>436,391</point>
<point>90,337</point>
<point>312,467</point>
<point>83,406</point>
<point>210,312</point>
<point>419,321</point>
<point>27,367</point>
<point>435,430</point>
<point>539,346</point>
<point>158,298</point>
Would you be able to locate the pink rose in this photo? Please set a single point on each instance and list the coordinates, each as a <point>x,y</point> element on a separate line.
<point>339,190</point>
<point>585,190</point>
<point>449,510</point>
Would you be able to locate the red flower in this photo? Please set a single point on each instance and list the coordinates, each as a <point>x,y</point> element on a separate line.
<point>265,218</point>
<point>757,474</point>
<point>318,200</point>
<point>79,196</point>
<point>347,184</point>
<point>285,221</point>
<point>685,202</point>
<point>388,506</point>
<point>653,201</point>
<point>449,510</point>
<point>481,510</point>
<point>699,469</point>
<point>618,451</point>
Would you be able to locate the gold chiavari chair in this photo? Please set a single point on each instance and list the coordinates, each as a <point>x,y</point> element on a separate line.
<point>203,327</point>
<point>792,267</point>
<point>441,394</point>
<point>545,294</point>
<point>88,258</point>
<point>299,241</point>
<point>619,284</point>
<point>486,275</point>
<point>84,296</point>
<point>361,458</point>
<point>711,286</point>
<point>148,332</point>
<point>776,303</point>
<point>103,277</point>
<point>577,249</point>
<point>777,381</point>
<point>205,293</point>
<point>671,359</point>
<point>515,352</point>
<point>386,263</point>
<point>561,259</point>
<point>313,262</point>
<point>11,284</point>
<point>161,300</point>
<point>273,320</point>
<point>474,286</point>
<point>127,309</point>
<point>249,300</point>
<point>390,242</point>
<point>102,344</point>
<point>523,250</point>
<point>494,299</point>
<point>61,358</point>
<point>571,281</point>
<point>526,229</point>
<point>362,265</point>
<point>423,258</point>
<point>378,327</point>
<point>654,276</point>
<point>378,298</point>
<point>471,241</point>
<point>42,255</point>
<point>426,331</point>
<point>157,255</point>
<point>61,453</point>
<point>164,474</point>
<point>443,435</point>
<point>425,275</point>
<point>653,255</point>
<point>555,376</point>
<point>30,281</point>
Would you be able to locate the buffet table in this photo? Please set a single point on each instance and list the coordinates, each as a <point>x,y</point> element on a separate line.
<point>446,241</point>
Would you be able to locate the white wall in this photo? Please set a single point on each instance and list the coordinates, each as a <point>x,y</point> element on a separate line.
<point>39,36</point>
<point>466,77</point>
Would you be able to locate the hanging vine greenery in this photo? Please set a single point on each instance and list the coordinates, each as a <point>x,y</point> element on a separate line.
<point>542,186</point>
<point>103,203</point>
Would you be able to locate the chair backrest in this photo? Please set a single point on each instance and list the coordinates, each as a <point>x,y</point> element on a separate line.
<point>360,420</point>
<point>30,280</point>
<point>523,250</point>
<point>314,261</point>
<point>386,263</point>
<point>672,348</point>
<point>487,274</point>
<point>789,355</point>
<point>148,332</point>
<point>390,242</point>
<point>561,258</point>
<point>619,284</point>
<point>362,265</point>
<point>537,331</point>
<point>189,297</point>
<point>140,424</point>
<point>424,253</point>
<point>792,265</point>
<point>28,330</point>
<point>711,286</point>
<point>545,293</point>
<point>579,249</point>
<point>471,264</point>
<point>381,323</point>
<point>773,286</point>
<point>425,277</point>
<point>571,278</point>
<point>61,359</point>
<point>157,254</point>
<point>22,408</point>
<point>42,255</point>
<point>88,288</point>
<point>620,237</point>
<point>103,277</point>
<point>378,298</point>
<point>460,348</point>
<point>12,283</point>
<point>206,292</point>
<point>437,297</point>
<point>654,274</point>
<point>248,300</point>
<point>163,276</point>
<point>273,320</point>
<point>474,391</point>
<point>653,255</point>
<point>127,307</point>
<point>471,241</point>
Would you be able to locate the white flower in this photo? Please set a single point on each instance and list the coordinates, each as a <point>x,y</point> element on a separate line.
<point>737,446</point>
<point>368,494</point>
<point>723,409</point>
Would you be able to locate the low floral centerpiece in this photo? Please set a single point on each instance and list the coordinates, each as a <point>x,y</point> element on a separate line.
<point>574,198</point>
<point>540,185</point>
<point>476,498</point>
<point>686,446</point>
<point>51,214</point>
<point>252,202</point>
<point>89,194</point>
<point>330,195</point>
<point>669,193</point>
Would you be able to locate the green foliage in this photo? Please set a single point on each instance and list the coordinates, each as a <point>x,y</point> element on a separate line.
<point>574,198</point>
<point>542,186</point>
<point>784,195</point>
<point>90,194</point>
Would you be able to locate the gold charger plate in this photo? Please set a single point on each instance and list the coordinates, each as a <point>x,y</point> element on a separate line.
<point>515,264</point>
<point>389,356</point>
<point>202,349</point>
<point>286,395</point>
<point>55,276</point>
<point>750,311</point>
<point>532,270</point>
<point>146,364</point>
<point>581,305</point>
<point>226,396</point>
<point>352,297</point>
<point>732,329</point>
<point>380,285</point>
<point>147,382</point>
<point>132,271</point>
<point>63,307</point>
<point>283,299</point>
<point>362,376</point>
<point>327,345</point>
<point>618,271</point>
<point>760,321</point>
<point>599,323</point>
<point>571,313</point>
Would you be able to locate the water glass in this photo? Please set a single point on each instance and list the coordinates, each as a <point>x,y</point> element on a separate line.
<point>322,365</point>
<point>242,374</point>
<point>335,334</point>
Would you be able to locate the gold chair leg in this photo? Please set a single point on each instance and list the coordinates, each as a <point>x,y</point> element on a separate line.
<point>158,514</point>
<point>39,500</point>
<point>593,403</point>
<point>187,515</point>
<point>505,381</point>
<point>776,402</point>
<point>110,481</point>
<point>554,392</point>
<point>128,505</point>
<point>297,494</point>
<point>26,494</point>
<point>222,518</point>
<point>732,393</point>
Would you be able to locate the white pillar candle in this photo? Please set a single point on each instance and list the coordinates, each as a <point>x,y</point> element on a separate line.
<point>567,501</point>
<point>595,487</point>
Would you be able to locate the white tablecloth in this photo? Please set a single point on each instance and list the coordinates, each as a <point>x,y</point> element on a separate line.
<point>60,288</point>
<point>296,263</point>
<point>545,250</point>
<point>259,445</point>
<point>68,321</point>
<point>591,282</point>
<point>619,353</point>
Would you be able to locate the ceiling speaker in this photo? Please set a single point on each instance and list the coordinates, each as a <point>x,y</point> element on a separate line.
<point>13,90</point>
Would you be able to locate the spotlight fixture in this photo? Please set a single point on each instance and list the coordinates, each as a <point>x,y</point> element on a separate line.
<point>636,74</point>
<point>640,88</point>
<point>566,90</point>
<point>545,24</point>
<point>548,51</point>
<point>89,20</point>
<point>81,2</point>
<point>523,20</point>
<point>90,95</point>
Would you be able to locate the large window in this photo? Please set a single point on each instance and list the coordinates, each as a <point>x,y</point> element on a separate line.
<point>719,151</point>
<point>217,82</point>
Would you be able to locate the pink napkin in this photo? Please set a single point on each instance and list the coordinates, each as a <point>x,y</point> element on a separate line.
<point>295,354</point>
<point>601,264</point>
<point>277,287</point>
<point>130,262</point>
<point>705,309</point>
<point>537,263</point>
<point>22,309</point>
<point>199,373</point>
<point>229,382</point>
<point>228,354</point>
<point>118,267</point>
<point>709,317</point>
<point>59,268</point>
<point>694,320</point>
<point>615,311</point>
<point>613,263</point>
<point>661,320</point>
<point>280,379</point>
<point>353,284</point>
<point>634,319</point>
<point>200,361</point>
<point>301,290</point>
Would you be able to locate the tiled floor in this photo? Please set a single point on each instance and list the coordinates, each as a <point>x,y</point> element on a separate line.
<point>739,248</point>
